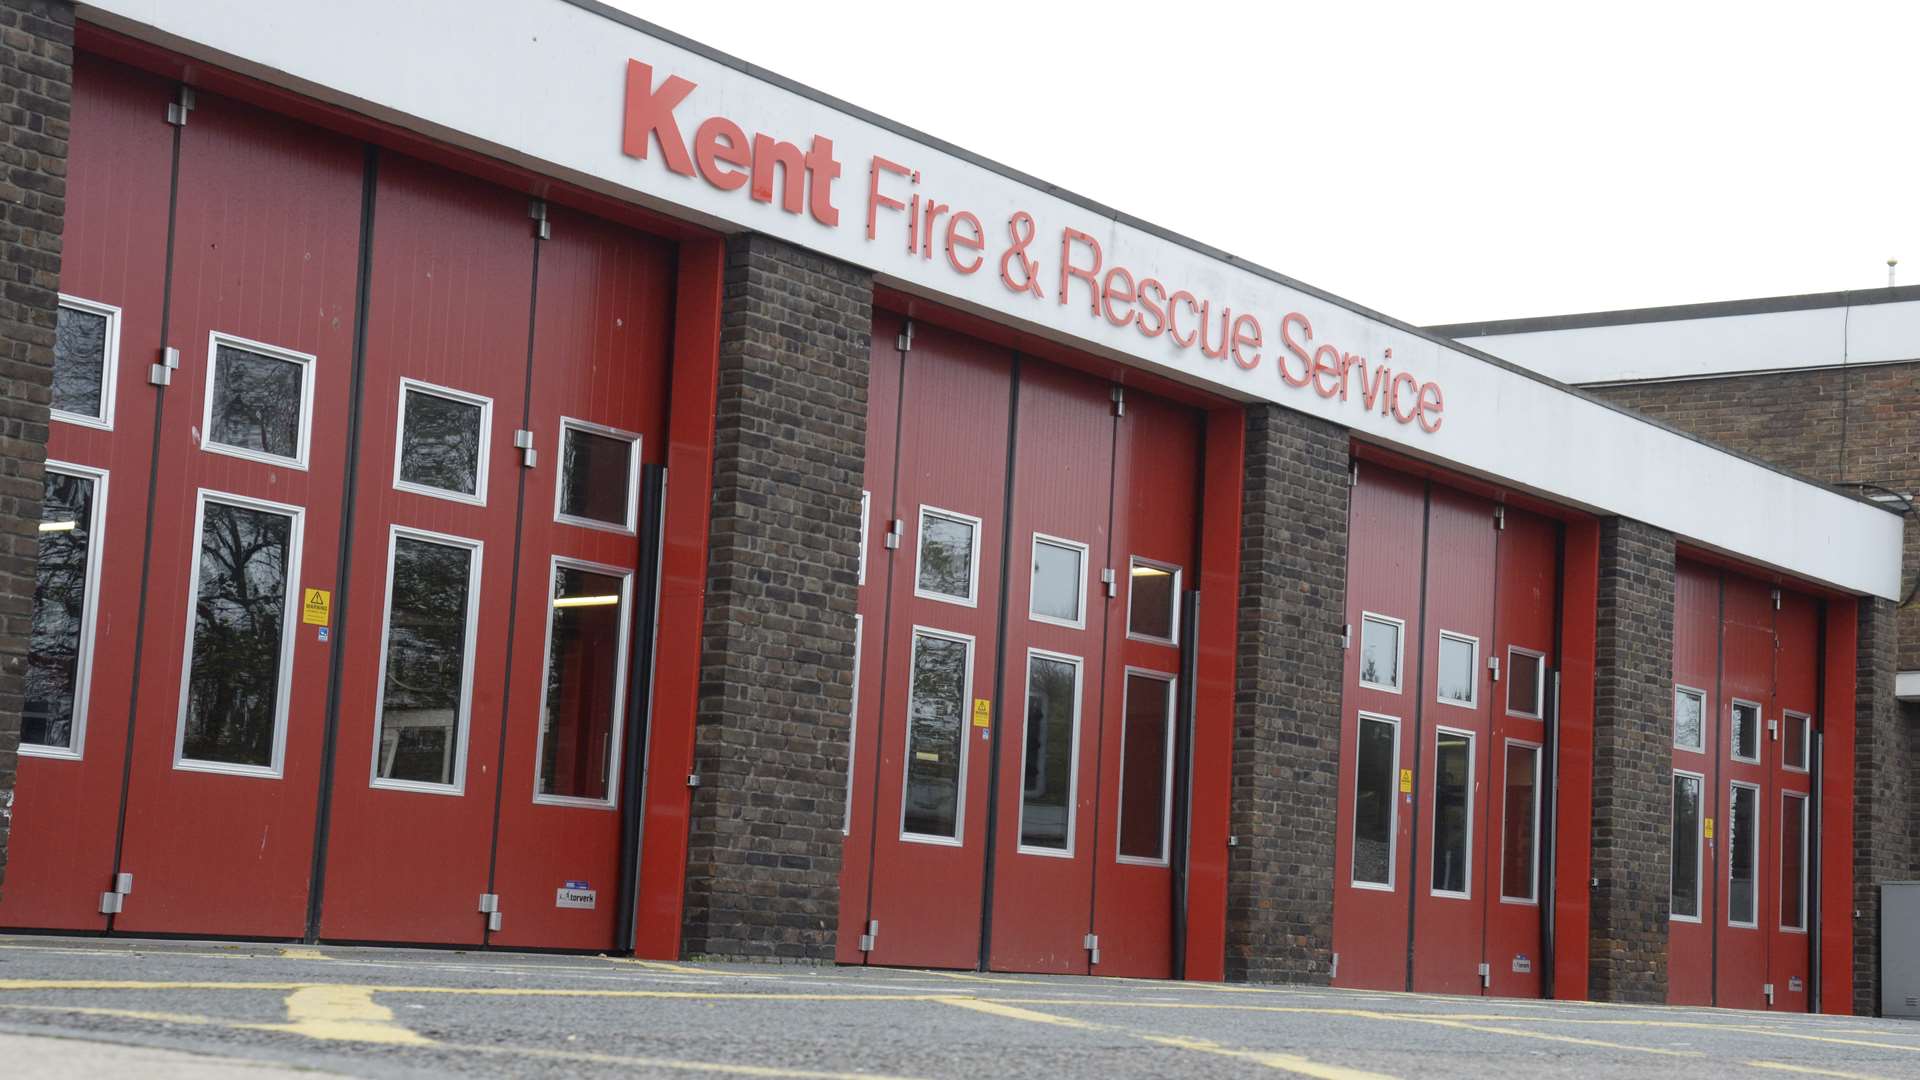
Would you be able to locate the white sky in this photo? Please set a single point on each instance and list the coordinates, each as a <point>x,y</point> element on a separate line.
<point>1440,162</point>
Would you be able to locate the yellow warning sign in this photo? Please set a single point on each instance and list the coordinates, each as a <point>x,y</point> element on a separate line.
<point>316,607</point>
<point>982,712</point>
<point>1406,781</point>
<point>1709,828</point>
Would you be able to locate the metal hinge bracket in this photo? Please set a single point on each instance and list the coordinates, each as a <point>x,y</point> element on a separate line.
<point>1353,474</point>
<point>693,779</point>
<point>537,210</point>
<point>1486,975</point>
<point>905,340</point>
<point>1776,599</point>
<point>866,939</point>
<point>1111,581</point>
<point>489,903</point>
<point>523,442</point>
<point>1767,988</point>
<point>1499,517</point>
<point>1346,636</point>
<point>180,106</point>
<point>1493,667</point>
<point>1119,401</point>
<point>1092,945</point>
<point>1333,972</point>
<point>895,528</point>
<point>112,902</point>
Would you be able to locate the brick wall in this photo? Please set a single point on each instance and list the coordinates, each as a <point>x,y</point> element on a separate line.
<point>776,671</point>
<point>1632,756</point>
<point>1286,735</point>
<point>1882,811</point>
<point>36,89</point>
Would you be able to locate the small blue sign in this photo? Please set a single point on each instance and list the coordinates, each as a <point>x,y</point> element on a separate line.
<point>323,633</point>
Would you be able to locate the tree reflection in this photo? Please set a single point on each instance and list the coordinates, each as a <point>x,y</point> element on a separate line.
<point>256,402</point>
<point>935,708</point>
<point>946,556</point>
<point>79,358</point>
<point>239,614</point>
<point>426,661</point>
<point>59,604</point>
<point>442,443</point>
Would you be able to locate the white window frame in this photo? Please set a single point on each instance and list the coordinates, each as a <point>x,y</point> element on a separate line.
<point>1433,830</point>
<point>1473,669</point>
<point>1699,848</point>
<point>1392,883</point>
<point>395,534</point>
<point>1539,659</point>
<point>1073,764</point>
<point>1806,823</point>
<point>1733,741</point>
<point>866,507</point>
<point>1050,540</point>
<point>621,653</point>
<point>632,439</point>
<point>1172,682</point>
<point>1533,873</point>
<point>1759,830</point>
<point>959,837</point>
<point>89,616</point>
<point>1788,716</point>
<point>307,362</point>
<point>1701,747</point>
<point>109,365</point>
<point>973,565</point>
<point>1400,652</point>
<point>853,723</point>
<point>485,405</point>
<point>289,631</point>
<point>1173,616</point>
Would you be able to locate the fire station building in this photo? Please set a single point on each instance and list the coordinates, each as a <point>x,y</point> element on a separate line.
<point>523,479</point>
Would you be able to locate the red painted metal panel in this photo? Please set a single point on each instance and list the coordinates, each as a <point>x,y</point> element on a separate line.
<point>1797,661</point>
<point>266,248</point>
<point>1836,807</point>
<point>1746,675</point>
<point>1573,821</point>
<point>1696,667</point>
<point>1219,576</point>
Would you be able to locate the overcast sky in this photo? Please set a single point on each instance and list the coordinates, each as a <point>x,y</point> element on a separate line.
<point>1439,162</point>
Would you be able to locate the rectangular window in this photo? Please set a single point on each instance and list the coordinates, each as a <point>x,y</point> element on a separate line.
<point>1798,752</point>
<point>53,716</point>
<point>941,683</point>
<point>1059,593</point>
<point>866,505</point>
<point>853,730</point>
<point>86,350</point>
<point>443,442</point>
<point>259,401</point>
<point>1685,900</point>
<point>1153,601</point>
<point>1519,847</point>
<point>1793,861</point>
<point>433,586</point>
<point>1049,759</point>
<point>240,625</point>
<point>1743,846</point>
<point>1375,804</point>
<point>1146,767</point>
<point>947,564</point>
<point>1380,651</point>
<point>1526,683</point>
<point>580,726</point>
<point>1452,811</point>
<point>1746,731</point>
<point>599,476</point>
<point>1458,669</point>
<point>1689,719</point>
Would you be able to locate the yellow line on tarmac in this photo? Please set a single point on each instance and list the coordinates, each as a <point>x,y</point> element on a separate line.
<point>677,969</point>
<point>295,952</point>
<point>1014,1012</point>
<point>347,1013</point>
<point>1001,980</point>
<point>1781,1066</point>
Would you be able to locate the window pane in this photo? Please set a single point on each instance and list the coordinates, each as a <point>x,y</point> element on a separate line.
<point>1517,865</point>
<point>596,478</point>
<point>79,361</point>
<point>1046,809</point>
<point>59,611</point>
<point>583,680</point>
<point>256,402</point>
<point>1380,653</point>
<point>946,556</point>
<point>426,673</point>
<point>440,443</point>
<point>1746,731</point>
<point>1453,785</point>
<point>1743,837</point>
<point>1151,602</point>
<point>1057,581</point>
<point>233,678</point>
<point>1457,661</point>
<point>1143,767</point>
<point>1797,738</point>
<point>1793,863</point>
<point>1689,719</point>
<point>936,736</point>
<point>1525,678</point>
<point>1686,847</point>
<point>1373,805</point>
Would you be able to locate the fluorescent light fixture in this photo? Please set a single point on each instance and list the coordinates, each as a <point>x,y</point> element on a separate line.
<point>58,526</point>
<point>1150,571</point>
<point>586,601</point>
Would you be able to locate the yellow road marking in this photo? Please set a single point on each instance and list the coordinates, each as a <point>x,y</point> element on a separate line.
<point>1014,1012</point>
<point>1781,1066</point>
<point>677,969</point>
<point>347,1013</point>
<point>295,952</point>
<point>987,978</point>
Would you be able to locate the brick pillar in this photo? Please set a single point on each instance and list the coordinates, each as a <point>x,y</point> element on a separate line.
<point>36,90</point>
<point>1882,776</point>
<point>1288,670</point>
<point>776,668</point>
<point>1632,764</point>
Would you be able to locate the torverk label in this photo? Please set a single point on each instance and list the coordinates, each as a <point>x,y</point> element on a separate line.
<point>575,894</point>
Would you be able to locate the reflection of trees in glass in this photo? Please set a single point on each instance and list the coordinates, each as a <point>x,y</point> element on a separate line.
<point>426,661</point>
<point>1741,837</point>
<point>256,402</point>
<point>582,671</point>
<point>1451,767</point>
<point>1373,803</point>
<point>1379,653</point>
<point>59,601</point>
<point>1686,840</point>
<point>595,479</point>
<point>1688,712</point>
<point>1456,669</point>
<point>442,443</point>
<point>1049,757</point>
<point>79,361</point>
<point>936,705</point>
<point>946,556</point>
<point>234,677</point>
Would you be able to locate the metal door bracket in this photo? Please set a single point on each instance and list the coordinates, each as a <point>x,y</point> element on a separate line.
<point>1486,975</point>
<point>866,939</point>
<point>1093,948</point>
<point>894,530</point>
<point>1768,990</point>
<point>537,210</point>
<point>1499,517</point>
<point>1119,401</point>
<point>1333,971</point>
<point>112,902</point>
<point>523,442</point>
<point>1112,582</point>
<point>1346,636</point>
<point>905,340</point>
<point>489,903</point>
<point>160,375</point>
<point>1493,665</point>
<point>178,108</point>
<point>693,779</point>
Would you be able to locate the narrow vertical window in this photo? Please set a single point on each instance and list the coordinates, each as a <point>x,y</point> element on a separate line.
<point>86,346</point>
<point>853,726</point>
<point>239,636</point>
<point>599,476</point>
<point>1153,601</point>
<point>946,566</point>
<point>1059,593</point>
<point>1685,900</point>
<point>1146,767</point>
<point>65,597</point>
<point>1746,731</point>
<point>937,695</point>
<point>426,661</point>
<point>1689,719</point>
<point>1380,651</point>
<point>1375,806</point>
<point>259,401</point>
<point>1520,834</point>
<point>586,671</point>
<point>1526,683</point>
<point>1743,846</point>
<point>443,442</point>
<point>866,506</point>
<point>1452,811</point>
<point>1793,861</point>
<point>1457,677</point>
<point>1796,754</point>
<point>1049,759</point>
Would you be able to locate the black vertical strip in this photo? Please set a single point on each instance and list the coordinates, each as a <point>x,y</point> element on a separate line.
<point>1713,750</point>
<point>323,823</point>
<point>146,542</point>
<point>1000,669</point>
<point>513,590</point>
<point>1106,657</point>
<point>639,709</point>
<point>1419,729</point>
<point>1547,829</point>
<point>1188,706</point>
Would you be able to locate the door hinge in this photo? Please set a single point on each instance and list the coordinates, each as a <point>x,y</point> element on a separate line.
<point>1767,988</point>
<point>112,902</point>
<point>905,340</point>
<point>161,373</point>
<point>1493,666</point>
<point>180,106</point>
<point>693,779</point>
<point>1333,970</point>
<point>866,939</point>
<point>1486,975</point>
<point>1092,945</point>
<point>523,442</point>
<point>894,530</point>
<point>1111,581</point>
<point>1353,474</point>
<point>1119,401</point>
<point>537,210</point>
<point>1776,599</point>
<point>1499,517</point>
<point>490,907</point>
<point>1346,636</point>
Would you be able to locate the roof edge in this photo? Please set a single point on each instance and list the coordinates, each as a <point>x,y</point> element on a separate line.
<point>1717,309</point>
